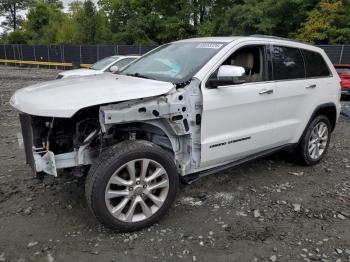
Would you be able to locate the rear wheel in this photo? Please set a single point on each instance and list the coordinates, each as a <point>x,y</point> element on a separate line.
<point>132,186</point>
<point>315,141</point>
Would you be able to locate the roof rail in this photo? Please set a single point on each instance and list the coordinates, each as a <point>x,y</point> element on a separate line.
<point>277,38</point>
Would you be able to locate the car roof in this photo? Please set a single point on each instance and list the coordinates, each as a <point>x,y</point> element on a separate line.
<point>268,38</point>
<point>225,39</point>
<point>229,39</point>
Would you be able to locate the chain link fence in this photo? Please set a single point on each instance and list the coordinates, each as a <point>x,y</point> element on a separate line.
<point>74,54</point>
<point>338,54</point>
<point>77,55</point>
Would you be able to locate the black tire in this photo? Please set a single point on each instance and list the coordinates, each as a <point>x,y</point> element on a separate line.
<point>302,153</point>
<point>110,161</point>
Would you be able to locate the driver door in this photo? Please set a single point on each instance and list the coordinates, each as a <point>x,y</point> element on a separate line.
<point>237,118</point>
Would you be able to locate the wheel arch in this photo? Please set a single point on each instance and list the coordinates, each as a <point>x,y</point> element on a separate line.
<point>329,110</point>
<point>155,131</point>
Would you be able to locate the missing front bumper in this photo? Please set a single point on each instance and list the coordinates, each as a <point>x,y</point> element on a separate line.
<point>42,159</point>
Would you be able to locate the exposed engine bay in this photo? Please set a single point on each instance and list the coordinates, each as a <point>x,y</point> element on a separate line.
<point>170,121</point>
<point>62,135</point>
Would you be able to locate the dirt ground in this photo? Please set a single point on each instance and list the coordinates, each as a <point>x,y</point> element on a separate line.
<point>267,210</point>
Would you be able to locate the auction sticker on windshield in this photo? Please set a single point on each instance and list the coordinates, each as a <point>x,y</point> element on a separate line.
<point>209,45</point>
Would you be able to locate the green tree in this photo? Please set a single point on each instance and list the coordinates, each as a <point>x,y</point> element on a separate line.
<point>10,10</point>
<point>43,21</point>
<point>87,22</point>
<point>56,2</point>
<point>161,21</point>
<point>271,17</point>
<point>328,23</point>
<point>287,16</point>
<point>149,21</point>
<point>127,19</point>
<point>67,32</point>
<point>103,33</point>
<point>17,37</point>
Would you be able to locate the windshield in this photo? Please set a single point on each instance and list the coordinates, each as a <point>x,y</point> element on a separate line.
<point>99,65</point>
<point>174,62</point>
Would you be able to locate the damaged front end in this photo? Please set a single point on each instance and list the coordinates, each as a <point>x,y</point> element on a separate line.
<point>55,143</point>
<point>171,121</point>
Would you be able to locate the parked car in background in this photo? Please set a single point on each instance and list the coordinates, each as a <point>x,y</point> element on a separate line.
<point>185,110</point>
<point>108,64</point>
<point>343,71</point>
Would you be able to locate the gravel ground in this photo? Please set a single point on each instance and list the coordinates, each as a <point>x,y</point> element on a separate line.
<point>267,210</point>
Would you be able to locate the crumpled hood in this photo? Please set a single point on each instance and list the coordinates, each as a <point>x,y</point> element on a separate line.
<point>64,97</point>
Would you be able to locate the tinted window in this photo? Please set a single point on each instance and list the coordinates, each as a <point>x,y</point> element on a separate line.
<point>287,63</point>
<point>315,64</point>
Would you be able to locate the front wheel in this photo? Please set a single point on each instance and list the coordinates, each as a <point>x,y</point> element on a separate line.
<point>132,186</point>
<point>315,141</point>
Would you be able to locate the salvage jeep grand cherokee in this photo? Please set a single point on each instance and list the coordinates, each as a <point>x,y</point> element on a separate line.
<point>184,110</point>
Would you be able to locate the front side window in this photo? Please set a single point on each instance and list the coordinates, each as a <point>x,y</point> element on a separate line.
<point>175,62</point>
<point>287,63</point>
<point>315,64</point>
<point>251,58</point>
<point>101,64</point>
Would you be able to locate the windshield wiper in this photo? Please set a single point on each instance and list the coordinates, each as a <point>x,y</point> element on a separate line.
<point>139,75</point>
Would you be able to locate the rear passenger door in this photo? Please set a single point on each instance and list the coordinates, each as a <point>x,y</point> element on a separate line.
<point>293,94</point>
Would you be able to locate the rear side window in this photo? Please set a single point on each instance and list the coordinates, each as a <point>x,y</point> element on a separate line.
<point>315,64</point>
<point>287,63</point>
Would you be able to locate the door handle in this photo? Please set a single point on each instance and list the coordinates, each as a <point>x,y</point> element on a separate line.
<point>266,91</point>
<point>310,86</point>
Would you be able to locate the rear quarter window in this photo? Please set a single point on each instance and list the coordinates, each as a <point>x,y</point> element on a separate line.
<point>287,63</point>
<point>315,65</point>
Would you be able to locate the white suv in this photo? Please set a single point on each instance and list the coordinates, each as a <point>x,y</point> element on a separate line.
<point>184,110</point>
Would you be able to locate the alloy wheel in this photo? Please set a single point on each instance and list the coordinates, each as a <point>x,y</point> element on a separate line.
<point>137,190</point>
<point>318,141</point>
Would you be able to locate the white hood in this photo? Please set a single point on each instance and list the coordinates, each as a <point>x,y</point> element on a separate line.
<point>81,72</point>
<point>63,98</point>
